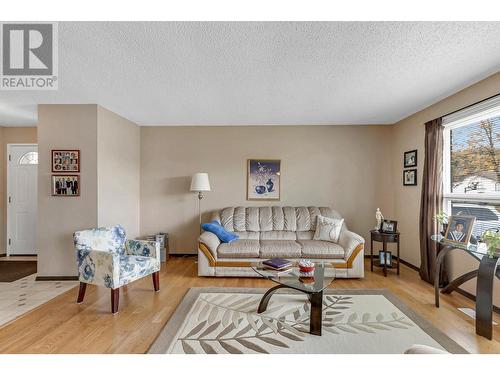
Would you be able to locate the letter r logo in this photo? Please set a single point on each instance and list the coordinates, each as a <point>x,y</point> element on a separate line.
<point>27,49</point>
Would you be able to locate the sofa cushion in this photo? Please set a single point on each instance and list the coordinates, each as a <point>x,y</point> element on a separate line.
<point>321,249</point>
<point>219,231</point>
<point>278,218</point>
<point>252,219</point>
<point>239,221</point>
<point>314,212</point>
<point>248,235</point>
<point>289,219</point>
<point>278,235</point>
<point>303,218</point>
<point>305,235</point>
<point>262,219</point>
<point>328,229</point>
<point>226,218</point>
<point>265,219</point>
<point>239,249</point>
<point>279,248</point>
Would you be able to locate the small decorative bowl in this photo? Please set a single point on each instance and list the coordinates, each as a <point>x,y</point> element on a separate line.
<point>306,266</point>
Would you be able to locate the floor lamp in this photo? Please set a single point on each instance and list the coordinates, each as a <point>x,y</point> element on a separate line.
<point>199,184</point>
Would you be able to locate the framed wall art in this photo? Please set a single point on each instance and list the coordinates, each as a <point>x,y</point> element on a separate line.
<point>65,185</point>
<point>410,159</point>
<point>66,161</point>
<point>410,177</point>
<point>263,179</point>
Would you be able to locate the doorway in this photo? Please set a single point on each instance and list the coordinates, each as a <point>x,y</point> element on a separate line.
<point>22,172</point>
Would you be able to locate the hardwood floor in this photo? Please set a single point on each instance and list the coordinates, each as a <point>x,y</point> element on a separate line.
<point>62,326</point>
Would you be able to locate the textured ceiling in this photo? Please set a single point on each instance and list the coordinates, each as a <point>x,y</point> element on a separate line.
<point>260,73</point>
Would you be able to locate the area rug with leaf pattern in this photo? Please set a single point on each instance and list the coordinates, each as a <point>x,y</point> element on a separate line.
<point>225,320</point>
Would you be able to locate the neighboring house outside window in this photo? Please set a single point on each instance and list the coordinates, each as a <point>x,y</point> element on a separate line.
<point>471,164</point>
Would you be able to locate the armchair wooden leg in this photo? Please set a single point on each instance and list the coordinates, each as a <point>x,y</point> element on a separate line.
<point>81,292</point>
<point>156,281</point>
<point>115,299</point>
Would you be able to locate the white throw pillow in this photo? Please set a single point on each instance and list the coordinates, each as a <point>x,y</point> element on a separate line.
<point>328,229</point>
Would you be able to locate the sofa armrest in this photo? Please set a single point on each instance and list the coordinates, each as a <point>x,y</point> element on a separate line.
<point>211,241</point>
<point>98,267</point>
<point>350,241</point>
<point>143,248</point>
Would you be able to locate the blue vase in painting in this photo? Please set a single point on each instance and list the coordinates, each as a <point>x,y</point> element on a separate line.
<point>260,189</point>
<point>270,185</point>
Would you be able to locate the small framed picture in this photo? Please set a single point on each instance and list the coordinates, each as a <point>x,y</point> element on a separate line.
<point>66,161</point>
<point>410,177</point>
<point>410,159</point>
<point>459,229</point>
<point>65,185</point>
<point>389,226</point>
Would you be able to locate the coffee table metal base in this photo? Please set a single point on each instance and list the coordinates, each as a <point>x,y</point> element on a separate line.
<point>316,300</point>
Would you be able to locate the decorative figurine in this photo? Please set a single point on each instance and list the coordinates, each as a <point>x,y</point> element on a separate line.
<point>379,217</point>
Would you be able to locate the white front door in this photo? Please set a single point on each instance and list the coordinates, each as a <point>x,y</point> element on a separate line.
<point>22,165</point>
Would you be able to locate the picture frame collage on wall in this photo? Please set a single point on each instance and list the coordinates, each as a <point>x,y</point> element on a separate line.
<point>66,173</point>
<point>409,168</point>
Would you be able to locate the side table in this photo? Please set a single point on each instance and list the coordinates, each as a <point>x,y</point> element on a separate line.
<point>486,273</point>
<point>385,238</point>
<point>162,238</point>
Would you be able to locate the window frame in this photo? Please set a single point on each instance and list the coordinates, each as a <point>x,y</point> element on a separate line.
<point>487,109</point>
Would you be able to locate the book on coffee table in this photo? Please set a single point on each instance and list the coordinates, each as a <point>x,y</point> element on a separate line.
<point>277,263</point>
<point>282,272</point>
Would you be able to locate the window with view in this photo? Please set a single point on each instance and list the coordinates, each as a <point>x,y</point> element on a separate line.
<point>472,164</point>
<point>475,157</point>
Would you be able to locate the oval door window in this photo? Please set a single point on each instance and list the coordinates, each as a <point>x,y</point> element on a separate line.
<point>29,158</point>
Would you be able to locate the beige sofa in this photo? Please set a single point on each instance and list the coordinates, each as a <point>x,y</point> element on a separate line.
<point>285,232</point>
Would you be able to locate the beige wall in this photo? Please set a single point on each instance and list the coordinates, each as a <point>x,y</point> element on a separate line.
<point>409,134</point>
<point>9,135</point>
<point>109,186</point>
<point>118,173</point>
<point>338,166</point>
<point>354,169</point>
<point>65,127</point>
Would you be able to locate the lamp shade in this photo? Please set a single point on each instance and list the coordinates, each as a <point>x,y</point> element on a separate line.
<point>200,182</point>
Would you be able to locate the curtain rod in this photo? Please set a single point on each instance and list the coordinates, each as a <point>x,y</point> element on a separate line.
<point>470,105</point>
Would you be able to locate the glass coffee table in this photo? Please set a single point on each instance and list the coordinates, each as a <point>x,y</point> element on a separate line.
<point>312,286</point>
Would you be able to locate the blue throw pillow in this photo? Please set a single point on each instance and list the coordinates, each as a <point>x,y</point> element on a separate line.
<point>219,231</point>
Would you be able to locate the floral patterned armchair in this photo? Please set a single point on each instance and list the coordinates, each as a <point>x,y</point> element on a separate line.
<point>105,257</point>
